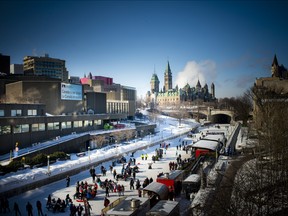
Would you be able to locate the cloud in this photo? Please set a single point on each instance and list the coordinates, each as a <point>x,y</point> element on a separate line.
<point>205,71</point>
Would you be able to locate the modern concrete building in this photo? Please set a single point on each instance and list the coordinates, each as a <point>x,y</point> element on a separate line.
<point>42,104</point>
<point>45,66</point>
<point>16,69</point>
<point>27,124</point>
<point>52,93</point>
<point>120,99</point>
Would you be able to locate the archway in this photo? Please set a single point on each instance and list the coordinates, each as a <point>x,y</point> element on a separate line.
<point>221,119</point>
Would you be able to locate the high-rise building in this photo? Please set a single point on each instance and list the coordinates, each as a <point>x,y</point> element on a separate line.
<point>16,69</point>
<point>45,66</point>
<point>4,64</point>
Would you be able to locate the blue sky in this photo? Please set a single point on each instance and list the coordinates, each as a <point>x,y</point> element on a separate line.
<point>229,43</point>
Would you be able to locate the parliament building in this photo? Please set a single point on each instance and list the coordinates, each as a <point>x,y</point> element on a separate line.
<point>168,96</point>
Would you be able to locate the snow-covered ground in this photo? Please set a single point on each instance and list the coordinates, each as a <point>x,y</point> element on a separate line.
<point>166,128</point>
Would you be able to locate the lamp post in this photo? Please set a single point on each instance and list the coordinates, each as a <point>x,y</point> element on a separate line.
<point>150,137</point>
<point>116,147</point>
<point>48,164</point>
<point>89,154</point>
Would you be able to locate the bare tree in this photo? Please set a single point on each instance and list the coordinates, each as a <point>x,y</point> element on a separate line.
<point>260,186</point>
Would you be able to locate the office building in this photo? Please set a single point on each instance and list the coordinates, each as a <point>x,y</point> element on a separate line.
<point>45,66</point>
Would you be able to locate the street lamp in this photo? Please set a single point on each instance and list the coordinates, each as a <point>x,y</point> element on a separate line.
<point>89,154</point>
<point>116,147</point>
<point>150,136</point>
<point>48,164</point>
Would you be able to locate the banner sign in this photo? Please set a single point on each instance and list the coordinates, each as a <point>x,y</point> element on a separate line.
<point>71,91</point>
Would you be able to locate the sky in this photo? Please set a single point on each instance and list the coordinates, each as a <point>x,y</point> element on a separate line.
<point>229,43</point>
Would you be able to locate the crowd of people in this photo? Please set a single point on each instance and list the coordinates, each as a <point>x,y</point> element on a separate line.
<point>85,191</point>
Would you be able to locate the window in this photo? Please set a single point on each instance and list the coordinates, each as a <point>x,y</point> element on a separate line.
<point>41,126</point>
<point>5,129</point>
<point>97,122</point>
<point>16,112</point>
<point>87,123</point>
<point>38,127</point>
<point>35,127</point>
<point>2,113</point>
<point>21,128</point>
<point>77,124</point>
<point>65,125</point>
<point>32,112</point>
<point>68,124</point>
<point>53,126</point>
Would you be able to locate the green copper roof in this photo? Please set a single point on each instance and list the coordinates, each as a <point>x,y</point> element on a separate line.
<point>154,77</point>
<point>168,70</point>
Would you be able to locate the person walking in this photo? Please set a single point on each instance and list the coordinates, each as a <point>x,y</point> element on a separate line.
<point>107,190</point>
<point>79,209</point>
<point>16,209</point>
<point>5,205</point>
<point>114,173</point>
<point>67,181</point>
<point>122,189</point>
<point>29,209</point>
<point>134,174</point>
<point>146,156</point>
<point>138,185</point>
<point>39,208</point>
<point>142,156</point>
<point>131,184</point>
<point>106,202</point>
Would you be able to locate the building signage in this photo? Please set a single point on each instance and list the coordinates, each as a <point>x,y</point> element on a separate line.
<point>71,92</point>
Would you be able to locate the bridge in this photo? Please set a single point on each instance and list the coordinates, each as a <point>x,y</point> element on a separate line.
<point>207,112</point>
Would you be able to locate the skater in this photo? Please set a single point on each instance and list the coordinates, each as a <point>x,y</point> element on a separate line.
<point>131,184</point>
<point>39,208</point>
<point>16,209</point>
<point>29,209</point>
<point>67,181</point>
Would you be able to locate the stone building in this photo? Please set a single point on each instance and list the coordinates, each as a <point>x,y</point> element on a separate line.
<point>176,96</point>
<point>270,92</point>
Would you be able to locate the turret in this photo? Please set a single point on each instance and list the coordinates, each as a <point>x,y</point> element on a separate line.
<point>275,67</point>
<point>154,83</point>
<point>198,86</point>
<point>213,90</point>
